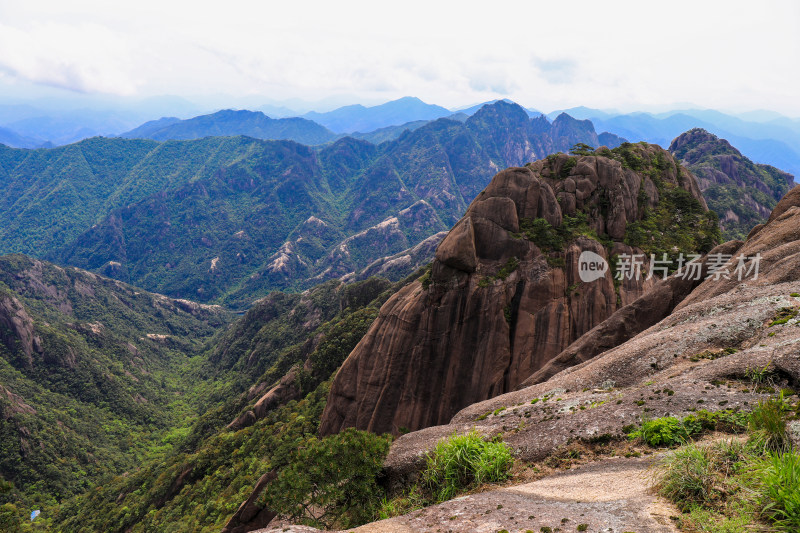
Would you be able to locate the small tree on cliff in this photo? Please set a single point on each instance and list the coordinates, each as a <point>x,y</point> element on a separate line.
<point>332,481</point>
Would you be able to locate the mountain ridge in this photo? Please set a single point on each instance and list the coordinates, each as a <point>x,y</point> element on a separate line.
<point>742,193</point>
<point>243,201</point>
<point>353,118</point>
<point>503,295</point>
<point>230,122</point>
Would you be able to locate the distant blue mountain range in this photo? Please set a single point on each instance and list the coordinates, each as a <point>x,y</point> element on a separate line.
<point>764,137</point>
<point>353,118</point>
<point>228,123</point>
<point>775,142</point>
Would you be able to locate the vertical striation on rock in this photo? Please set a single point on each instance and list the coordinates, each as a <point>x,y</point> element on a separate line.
<point>504,295</point>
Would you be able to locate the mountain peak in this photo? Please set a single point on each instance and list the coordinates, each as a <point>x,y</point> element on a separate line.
<point>696,137</point>
<point>501,108</point>
<point>230,122</point>
<point>498,292</point>
<point>357,118</point>
<point>564,117</point>
<point>741,192</point>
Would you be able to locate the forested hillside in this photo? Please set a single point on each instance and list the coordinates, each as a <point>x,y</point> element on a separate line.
<point>91,376</point>
<point>227,219</point>
<point>275,363</point>
<point>741,192</point>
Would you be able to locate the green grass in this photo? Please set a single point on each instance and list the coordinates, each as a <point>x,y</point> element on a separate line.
<point>780,476</point>
<point>670,431</point>
<point>737,485</point>
<point>461,462</point>
<point>700,519</point>
<point>687,477</point>
<point>667,431</point>
<point>767,426</point>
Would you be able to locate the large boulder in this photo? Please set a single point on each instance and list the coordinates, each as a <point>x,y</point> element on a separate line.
<point>502,300</point>
<point>702,354</point>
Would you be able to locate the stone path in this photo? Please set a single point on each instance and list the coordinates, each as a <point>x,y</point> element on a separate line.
<point>609,496</point>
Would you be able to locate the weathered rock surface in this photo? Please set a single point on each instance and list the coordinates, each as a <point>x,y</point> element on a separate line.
<point>611,495</point>
<point>396,267</point>
<point>649,309</point>
<point>496,307</point>
<point>777,245</point>
<point>700,356</point>
<point>16,329</point>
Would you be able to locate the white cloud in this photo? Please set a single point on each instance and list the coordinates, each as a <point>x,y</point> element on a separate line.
<point>82,57</point>
<point>544,54</point>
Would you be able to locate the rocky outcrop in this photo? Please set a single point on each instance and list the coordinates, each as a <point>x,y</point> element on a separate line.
<point>251,516</point>
<point>504,295</point>
<point>17,330</point>
<point>769,257</point>
<point>12,404</point>
<point>649,309</point>
<point>741,192</point>
<point>703,353</point>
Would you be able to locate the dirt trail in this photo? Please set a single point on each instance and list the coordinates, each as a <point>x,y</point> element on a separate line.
<point>609,496</point>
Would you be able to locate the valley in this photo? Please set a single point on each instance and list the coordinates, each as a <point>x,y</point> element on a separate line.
<point>315,321</point>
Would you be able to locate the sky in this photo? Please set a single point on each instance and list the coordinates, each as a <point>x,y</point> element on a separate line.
<point>727,55</point>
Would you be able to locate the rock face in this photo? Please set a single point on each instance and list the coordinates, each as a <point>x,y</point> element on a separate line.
<point>777,245</point>
<point>649,309</point>
<point>504,294</point>
<point>702,353</point>
<point>741,192</point>
<point>17,331</point>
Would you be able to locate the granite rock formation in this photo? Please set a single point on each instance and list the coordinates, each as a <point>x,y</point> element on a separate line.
<point>702,353</point>
<point>740,191</point>
<point>504,296</point>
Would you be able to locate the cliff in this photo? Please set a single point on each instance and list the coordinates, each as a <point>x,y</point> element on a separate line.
<point>504,295</point>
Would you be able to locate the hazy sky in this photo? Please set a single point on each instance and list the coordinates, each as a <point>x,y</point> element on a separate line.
<point>548,55</point>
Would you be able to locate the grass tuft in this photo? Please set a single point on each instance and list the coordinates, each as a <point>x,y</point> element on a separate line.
<point>687,477</point>
<point>780,475</point>
<point>462,462</point>
<point>767,426</point>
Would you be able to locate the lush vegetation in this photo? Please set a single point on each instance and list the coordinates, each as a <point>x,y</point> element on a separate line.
<point>678,223</point>
<point>458,464</point>
<point>741,192</point>
<point>670,431</point>
<point>736,485</point>
<point>118,417</point>
<point>100,386</point>
<point>331,481</point>
<point>198,483</point>
<point>461,462</point>
<point>555,238</point>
